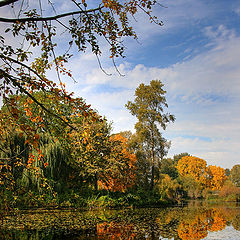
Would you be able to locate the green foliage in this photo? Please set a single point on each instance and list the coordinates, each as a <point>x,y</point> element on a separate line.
<point>148,106</point>
<point>168,188</point>
<point>191,187</point>
<point>235,175</point>
<point>177,157</point>
<point>168,167</point>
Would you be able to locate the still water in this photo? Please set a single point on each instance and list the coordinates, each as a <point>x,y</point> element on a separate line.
<point>197,220</point>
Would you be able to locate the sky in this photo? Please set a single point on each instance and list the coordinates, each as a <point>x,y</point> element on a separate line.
<point>196,54</point>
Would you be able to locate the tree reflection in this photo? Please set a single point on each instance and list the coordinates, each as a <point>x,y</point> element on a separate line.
<point>188,223</point>
<point>197,228</point>
<point>116,231</point>
<point>236,222</point>
<point>192,230</point>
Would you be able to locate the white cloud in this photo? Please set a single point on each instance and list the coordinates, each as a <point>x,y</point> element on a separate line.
<point>220,152</point>
<point>237,11</point>
<point>202,92</point>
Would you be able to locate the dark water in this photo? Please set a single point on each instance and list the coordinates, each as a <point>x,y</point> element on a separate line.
<point>196,221</point>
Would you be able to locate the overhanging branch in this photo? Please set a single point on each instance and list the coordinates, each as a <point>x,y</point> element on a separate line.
<point>40,19</point>
<point>6,2</point>
<point>34,99</point>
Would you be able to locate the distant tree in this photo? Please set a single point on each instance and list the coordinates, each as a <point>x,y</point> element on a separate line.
<point>235,175</point>
<point>177,157</point>
<point>193,166</point>
<point>167,187</point>
<point>148,106</point>
<point>229,190</point>
<point>227,172</point>
<point>216,177</point>
<point>190,186</point>
<point>167,166</point>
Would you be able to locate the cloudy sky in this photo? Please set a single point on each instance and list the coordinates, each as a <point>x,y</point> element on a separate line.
<point>196,54</point>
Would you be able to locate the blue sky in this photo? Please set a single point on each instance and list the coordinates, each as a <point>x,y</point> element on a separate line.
<point>196,54</point>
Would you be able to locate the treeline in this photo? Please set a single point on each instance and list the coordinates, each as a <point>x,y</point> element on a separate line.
<point>75,160</point>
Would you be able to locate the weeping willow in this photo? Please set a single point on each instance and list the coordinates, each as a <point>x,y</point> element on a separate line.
<point>14,155</point>
<point>52,170</point>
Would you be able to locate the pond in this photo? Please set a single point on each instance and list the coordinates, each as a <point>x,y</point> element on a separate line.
<point>197,220</point>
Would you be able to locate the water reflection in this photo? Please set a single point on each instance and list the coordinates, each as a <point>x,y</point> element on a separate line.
<point>193,222</point>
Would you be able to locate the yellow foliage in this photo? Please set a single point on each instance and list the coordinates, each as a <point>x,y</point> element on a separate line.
<point>193,166</point>
<point>216,177</point>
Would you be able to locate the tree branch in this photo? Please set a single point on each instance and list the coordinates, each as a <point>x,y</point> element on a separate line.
<point>40,19</point>
<point>6,2</point>
<point>14,81</point>
<point>22,64</point>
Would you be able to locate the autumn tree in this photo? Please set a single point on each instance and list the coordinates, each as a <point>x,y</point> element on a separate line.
<point>119,175</point>
<point>235,175</point>
<point>194,167</point>
<point>91,150</point>
<point>50,144</point>
<point>29,50</point>
<point>149,108</point>
<point>216,177</point>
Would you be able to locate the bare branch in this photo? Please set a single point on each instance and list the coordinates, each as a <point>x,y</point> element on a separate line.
<point>100,65</point>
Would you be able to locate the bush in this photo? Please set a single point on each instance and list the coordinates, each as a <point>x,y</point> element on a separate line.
<point>230,192</point>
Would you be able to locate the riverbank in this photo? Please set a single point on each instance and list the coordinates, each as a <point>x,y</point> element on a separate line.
<point>88,200</point>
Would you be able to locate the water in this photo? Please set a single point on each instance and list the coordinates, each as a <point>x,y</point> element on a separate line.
<point>198,220</point>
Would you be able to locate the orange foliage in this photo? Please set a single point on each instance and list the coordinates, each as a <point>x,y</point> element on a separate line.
<point>193,166</point>
<point>216,177</point>
<point>122,177</point>
<point>219,223</point>
<point>116,231</point>
<point>197,228</point>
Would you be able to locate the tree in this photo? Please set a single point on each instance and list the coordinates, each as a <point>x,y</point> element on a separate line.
<point>37,30</point>
<point>194,167</point>
<point>91,152</point>
<point>216,177</point>
<point>177,157</point>
<point>85,26</point>
<point>148,106</point>
<point>168,167</point>
<point>33,125</point>
<point>235,175</point>
<point>119,175</point>
<point>227,172</point>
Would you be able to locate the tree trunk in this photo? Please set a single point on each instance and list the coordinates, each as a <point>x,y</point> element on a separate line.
<point>152,178</point>
<point>96,182</point>
<point>153,158</point>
